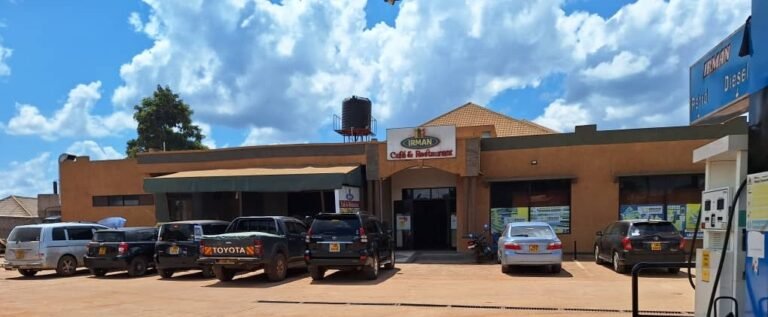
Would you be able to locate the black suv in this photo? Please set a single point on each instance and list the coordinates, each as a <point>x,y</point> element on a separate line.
<point>348,242</point>
<point>628,242</point>
<point>125,249</point>
<point>178,245</point>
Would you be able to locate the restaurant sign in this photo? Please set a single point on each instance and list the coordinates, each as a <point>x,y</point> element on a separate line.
<point>421,143</point>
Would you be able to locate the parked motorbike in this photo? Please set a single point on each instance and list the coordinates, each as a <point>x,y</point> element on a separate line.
<point>484,251</point>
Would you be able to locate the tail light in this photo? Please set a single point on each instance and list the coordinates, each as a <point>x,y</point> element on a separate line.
<point>682,243</point>
<point>555,246</point>
<point>363,237</point>
<point>626,243</point>
<point>363,258</point>
<point>512,246</point>
<point>122,248</point>
<point>202,247</point>
<point>258,248</point>
<point>308,239</point>
<point>470,242</point>
<point>307,256</point>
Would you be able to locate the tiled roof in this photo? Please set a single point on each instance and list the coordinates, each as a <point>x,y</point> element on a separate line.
<point>471,114</point>
<point>17,206</point>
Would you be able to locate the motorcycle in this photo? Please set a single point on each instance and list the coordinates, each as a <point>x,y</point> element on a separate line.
<point>483,250</point>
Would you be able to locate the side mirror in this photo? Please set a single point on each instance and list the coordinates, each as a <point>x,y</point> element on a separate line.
<point>599,233</point>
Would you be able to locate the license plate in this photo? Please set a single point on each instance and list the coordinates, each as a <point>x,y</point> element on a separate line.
<point>174,250</point>
<point>225,261</point>
<point>655,246</point>
<point>102,250</point>
<point>533,248</point>
<point>334,247</point>
<point>20,254</point>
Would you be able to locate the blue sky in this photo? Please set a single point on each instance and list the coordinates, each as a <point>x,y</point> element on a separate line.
<point>257,72</point>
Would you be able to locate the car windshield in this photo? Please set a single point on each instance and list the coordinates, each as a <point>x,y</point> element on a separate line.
<point>346,226</point>
<point>642,229</point>
<point>531,231</point>
<point>177,232</point>
<point>24,235</point>
<point>265,225</point>
<point>109,236</point>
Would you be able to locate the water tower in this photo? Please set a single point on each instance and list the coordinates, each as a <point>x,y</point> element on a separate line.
<point>356,123</point>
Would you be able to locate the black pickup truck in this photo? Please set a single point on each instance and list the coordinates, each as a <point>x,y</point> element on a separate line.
<point>274,244</point>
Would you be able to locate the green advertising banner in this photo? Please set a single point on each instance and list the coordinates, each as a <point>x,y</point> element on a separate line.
<point>500,217</point>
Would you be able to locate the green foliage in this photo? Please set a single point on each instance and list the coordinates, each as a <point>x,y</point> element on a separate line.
<point>165,122</point>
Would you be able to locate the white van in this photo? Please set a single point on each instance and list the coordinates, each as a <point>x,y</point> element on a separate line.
<point>48,246</point>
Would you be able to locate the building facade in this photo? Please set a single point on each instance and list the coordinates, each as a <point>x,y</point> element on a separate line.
<point>431,184</point>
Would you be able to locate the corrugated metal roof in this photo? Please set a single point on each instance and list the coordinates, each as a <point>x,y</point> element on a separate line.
<point>470,115</point>
<point>17,206</point>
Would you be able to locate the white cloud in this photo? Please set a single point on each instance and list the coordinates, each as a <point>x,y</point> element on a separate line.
<point>27,178</point>
<point>74,119</point>
<point>94,150</point>
<point>244,64</point>
<point>563,117</point>
<point>5,54</point>
<point>208,133</point>
<point>135,21</point>
<point>267,136</point>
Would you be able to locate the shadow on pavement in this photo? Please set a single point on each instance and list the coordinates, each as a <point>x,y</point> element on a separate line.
<point>537,271</point>
<point>355,278</point>
<point>260,280</point>
<point>48,275</point>
<point>122,275</point>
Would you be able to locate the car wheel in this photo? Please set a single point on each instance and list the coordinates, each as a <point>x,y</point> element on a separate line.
<point>277,270</point>
<point>67,266</point>
<point>165,273</point>
<point>372,271</point>
<point>223,274</point>
<point>208,272</point>
<point>506,269</point>
<point>317,273</point>
<point>137,267</point>
<point>98,272</point>
<point>673,270</point>
<point>391,264</point>
<point>27,272</point>
<point>617,264</point>
<point>556,268</point>
<point>598,260</point>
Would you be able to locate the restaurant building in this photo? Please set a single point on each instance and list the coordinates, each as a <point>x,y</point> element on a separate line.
<point>432,184</point>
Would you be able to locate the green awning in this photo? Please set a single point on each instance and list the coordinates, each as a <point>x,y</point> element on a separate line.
<point>256,180</point>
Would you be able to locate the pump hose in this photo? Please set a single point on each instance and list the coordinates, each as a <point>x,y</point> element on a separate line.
<point>725,247</point>
<point>691,253</point>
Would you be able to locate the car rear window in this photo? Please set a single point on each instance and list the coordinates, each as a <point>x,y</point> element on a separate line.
<point>343,226</point>
<point>177,232</point>
<point>642,229</point>
<point>24,235</point>
<point>531,231</point>
<point>109,236</point>
<point>214,229</point>
<point>258,225</point>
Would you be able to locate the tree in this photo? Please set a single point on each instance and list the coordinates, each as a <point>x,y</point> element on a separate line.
<point>165,122</point>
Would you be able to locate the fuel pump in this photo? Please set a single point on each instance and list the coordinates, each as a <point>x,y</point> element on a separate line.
<point>726,162</point>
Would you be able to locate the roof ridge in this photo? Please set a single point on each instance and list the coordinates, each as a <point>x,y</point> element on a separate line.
<point>468,104</point>
<point>450,112</point>
<point>21,205</point>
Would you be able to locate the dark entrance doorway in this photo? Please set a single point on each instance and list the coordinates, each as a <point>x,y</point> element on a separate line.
<point>428,212</point>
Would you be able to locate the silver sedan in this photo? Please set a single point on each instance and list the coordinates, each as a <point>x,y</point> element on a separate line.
<point>530,243</point>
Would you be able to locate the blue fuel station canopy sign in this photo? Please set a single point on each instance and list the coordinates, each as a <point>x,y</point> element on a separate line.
<point>719,80</point>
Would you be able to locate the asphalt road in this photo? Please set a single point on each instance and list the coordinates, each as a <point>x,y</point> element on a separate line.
<point>581,289</point>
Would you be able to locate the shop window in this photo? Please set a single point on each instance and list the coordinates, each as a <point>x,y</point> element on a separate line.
<point>429,193</point>
<point>675,198</point>
<point>545,201</point>
<point>123,200</point>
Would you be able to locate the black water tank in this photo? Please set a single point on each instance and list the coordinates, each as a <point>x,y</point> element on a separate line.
<point>356,113</point>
